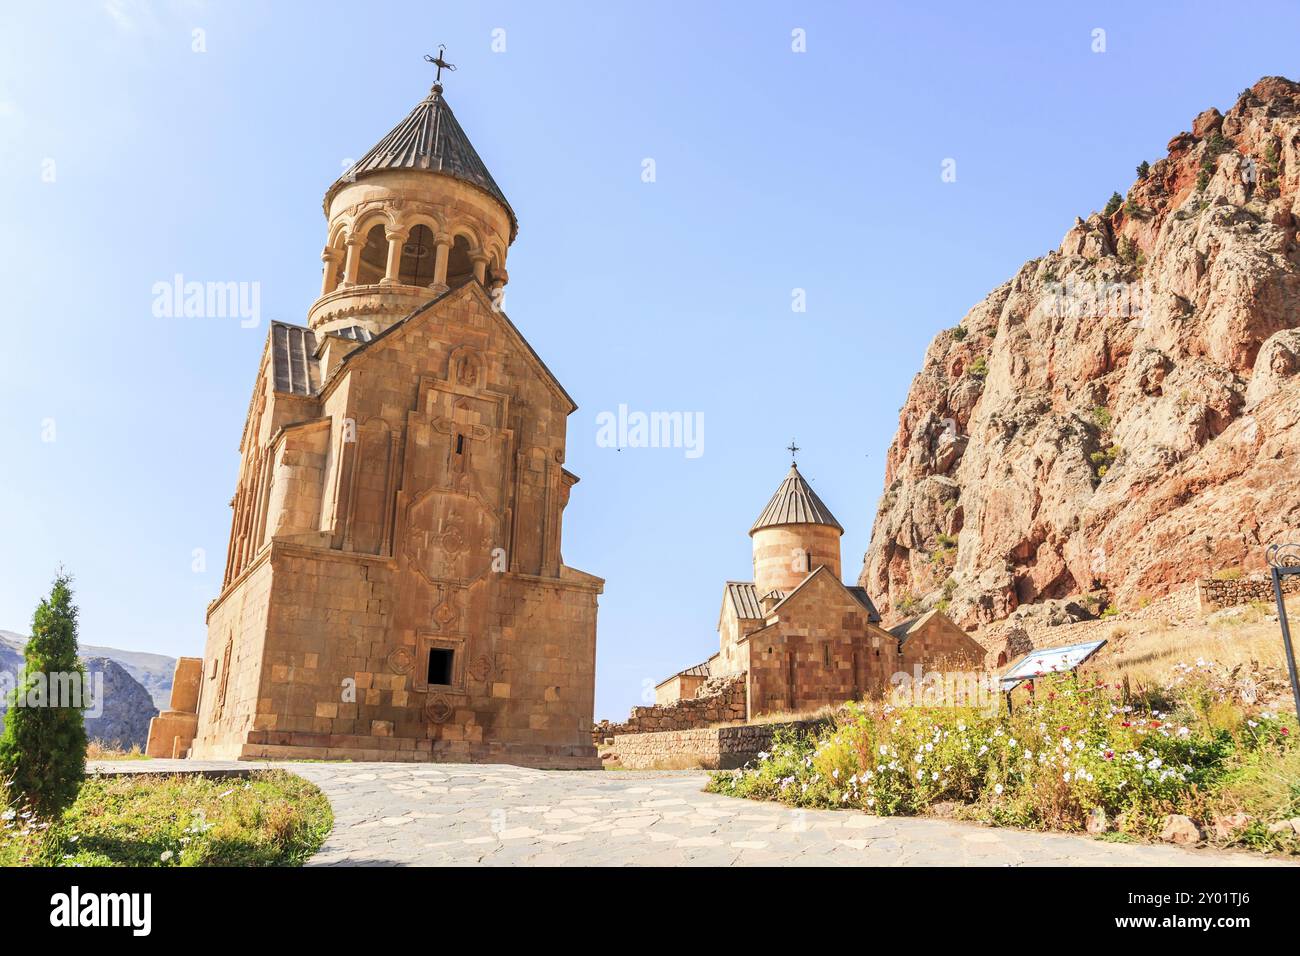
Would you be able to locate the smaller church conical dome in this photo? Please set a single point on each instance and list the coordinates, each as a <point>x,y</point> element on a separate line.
<point>429,138</point>
<point>795,503</point>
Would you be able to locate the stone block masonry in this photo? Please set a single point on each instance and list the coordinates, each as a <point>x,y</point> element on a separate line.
<point>1213,594</point>
<point>720,701</point>
<point>709,748</point>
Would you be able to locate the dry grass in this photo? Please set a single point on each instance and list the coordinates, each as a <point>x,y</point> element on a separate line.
<point>97,751</point>
<point>1246,638</point>
<point>791,716</point>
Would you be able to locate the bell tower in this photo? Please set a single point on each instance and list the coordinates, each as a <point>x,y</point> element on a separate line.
<point>795,535</point>
<point>418,213</point>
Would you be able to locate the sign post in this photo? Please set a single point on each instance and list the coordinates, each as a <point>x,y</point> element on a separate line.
<point>1283,560</point>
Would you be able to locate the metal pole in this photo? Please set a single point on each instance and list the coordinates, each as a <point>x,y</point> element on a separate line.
<point>1286,637</point>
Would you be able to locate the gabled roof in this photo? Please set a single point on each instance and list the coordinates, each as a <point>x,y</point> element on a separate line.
<point>795,503</point>
<point>468,286</point>
<point>357,333</point>
<point>294,368</point>
<point>865,600</point>
<point>859,595</point>
<point>431,139</point>
<point>699,670</point>
<point>903,629</point>
<point>744,600</point>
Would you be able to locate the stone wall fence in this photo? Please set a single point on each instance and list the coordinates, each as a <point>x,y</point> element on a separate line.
<point>720,701</point>
<point>709,748</point>
<point>1213,594</point>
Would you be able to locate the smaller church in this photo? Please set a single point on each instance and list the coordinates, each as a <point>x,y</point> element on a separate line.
<point>799,636</point>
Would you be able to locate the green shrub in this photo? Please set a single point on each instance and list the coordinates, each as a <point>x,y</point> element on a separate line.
<point>43,749</point>
<point>1104,459</point>
<point>1113,204</point>
<point>979,368</point>
<point>959,333</point>
<point>1143,168</point>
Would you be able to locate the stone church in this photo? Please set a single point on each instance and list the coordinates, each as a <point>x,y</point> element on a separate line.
<point>394,587</point>
<point>798,636</point>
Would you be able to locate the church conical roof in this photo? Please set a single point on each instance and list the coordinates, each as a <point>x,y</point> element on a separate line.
<point>429,138</point>
<point>795,503</point>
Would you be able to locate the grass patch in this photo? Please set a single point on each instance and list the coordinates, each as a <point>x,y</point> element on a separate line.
<point>271,818</point>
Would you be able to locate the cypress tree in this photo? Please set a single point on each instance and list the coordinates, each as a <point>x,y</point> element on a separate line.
<point>43,748</point>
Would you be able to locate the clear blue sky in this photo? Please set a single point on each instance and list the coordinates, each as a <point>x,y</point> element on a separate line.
<point>775,170</point>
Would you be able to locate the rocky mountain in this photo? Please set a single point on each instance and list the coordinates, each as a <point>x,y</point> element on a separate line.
<point>1123,415</point>
<point>126,706</point>
<point>153,671</point>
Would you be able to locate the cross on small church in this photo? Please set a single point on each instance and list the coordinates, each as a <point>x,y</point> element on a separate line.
<point>440,63</point>
<point>793,449</point>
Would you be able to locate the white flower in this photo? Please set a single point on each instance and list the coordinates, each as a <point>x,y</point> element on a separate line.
<point>884,751</point>
<point>998,790</point>
<point>166,855</point>
<point>1066,776</point>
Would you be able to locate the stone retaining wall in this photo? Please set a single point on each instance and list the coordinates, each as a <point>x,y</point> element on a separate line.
<point>710,748</point>
<point>725,703</point>
<point>1214,594</point>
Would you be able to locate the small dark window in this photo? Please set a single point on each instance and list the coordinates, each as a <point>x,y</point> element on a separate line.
<point>826,654</point>
<point>440,665</point>
<point>460,444</point>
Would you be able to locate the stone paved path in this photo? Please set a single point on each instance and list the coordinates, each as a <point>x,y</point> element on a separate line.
<point>454,814</point>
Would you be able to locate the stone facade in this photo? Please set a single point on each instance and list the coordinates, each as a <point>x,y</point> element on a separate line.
<point>394,587</point>
<point>171,733</point>
<point>1213,594</point>
<point>679,686</point>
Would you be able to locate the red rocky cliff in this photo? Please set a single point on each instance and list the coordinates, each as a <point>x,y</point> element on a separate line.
<point>1124,413</point>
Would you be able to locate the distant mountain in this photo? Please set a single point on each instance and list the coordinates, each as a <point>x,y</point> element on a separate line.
<point>126,709</point>
<point>153,671</point>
